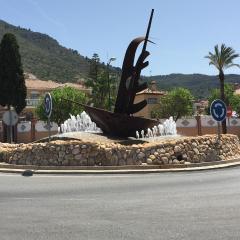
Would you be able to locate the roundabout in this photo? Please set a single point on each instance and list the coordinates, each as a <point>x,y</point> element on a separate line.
<point>199,205</point>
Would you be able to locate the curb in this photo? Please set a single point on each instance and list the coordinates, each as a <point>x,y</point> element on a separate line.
<point>20,169</point>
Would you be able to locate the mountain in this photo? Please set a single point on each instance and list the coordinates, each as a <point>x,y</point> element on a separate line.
<point>200,85</point>
<point>45,57</point>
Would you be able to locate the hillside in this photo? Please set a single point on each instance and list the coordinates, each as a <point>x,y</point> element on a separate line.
<point>200,85</point>
<point>45,58</point>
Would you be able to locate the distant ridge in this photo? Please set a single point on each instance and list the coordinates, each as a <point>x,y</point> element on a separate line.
<point>45,57</point>
<point>199,84</point>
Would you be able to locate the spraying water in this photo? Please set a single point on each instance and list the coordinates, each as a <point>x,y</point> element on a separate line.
<point>80,123</point>
<point>168,128</point>
<point>83,123</point>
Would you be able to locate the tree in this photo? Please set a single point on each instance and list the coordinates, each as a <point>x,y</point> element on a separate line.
<point>13,89</point>
<point>61,108</point>
<point>177,103</point>
<point>231,99</point>
<point>222,59</point>
<point>98,81</point>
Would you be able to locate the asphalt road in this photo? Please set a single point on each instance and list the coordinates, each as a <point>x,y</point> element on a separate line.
<point>195,205</point>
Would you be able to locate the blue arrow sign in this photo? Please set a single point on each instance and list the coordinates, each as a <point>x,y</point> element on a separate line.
<point>48,104</point>
<point>218,110</point>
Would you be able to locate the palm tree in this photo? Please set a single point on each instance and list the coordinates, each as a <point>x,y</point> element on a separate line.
<point>222,59</point>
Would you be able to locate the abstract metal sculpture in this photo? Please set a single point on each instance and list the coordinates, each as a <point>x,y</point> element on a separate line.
<point>121,123</point>
<point>129,84</point>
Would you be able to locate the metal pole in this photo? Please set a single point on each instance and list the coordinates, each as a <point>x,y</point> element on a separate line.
<point>219,131</point>
<point>109,91</point>
<point>48,129</point>
<point>10,123</point>
<point>147,33</point>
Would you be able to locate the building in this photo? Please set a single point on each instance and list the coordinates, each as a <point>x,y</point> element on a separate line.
<point>152,96</point>
<point>200,106</point>
<point>37,88</point>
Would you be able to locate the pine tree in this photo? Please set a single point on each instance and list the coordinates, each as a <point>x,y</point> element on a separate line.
<point>12,82</point>
<point>98,82</point>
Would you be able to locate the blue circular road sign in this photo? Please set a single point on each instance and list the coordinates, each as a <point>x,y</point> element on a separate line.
<point>218,110</point>
<point>48,104</point>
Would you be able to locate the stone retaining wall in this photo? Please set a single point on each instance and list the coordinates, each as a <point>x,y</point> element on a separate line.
<point>80,153</point>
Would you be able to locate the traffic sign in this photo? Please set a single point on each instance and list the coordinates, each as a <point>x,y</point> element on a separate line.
<point>229,111</point>
<point>48,104</point>
<point>218,110</point>
<point>10,118</point>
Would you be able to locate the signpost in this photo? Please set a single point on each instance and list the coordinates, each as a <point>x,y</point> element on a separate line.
<point>48,110</point>
<point>218,111</point>
<point>229,114</point>
<point>10,118</point>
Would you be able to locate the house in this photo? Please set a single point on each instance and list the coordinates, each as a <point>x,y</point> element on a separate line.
<point>37,88</point>
<point>152,96</point>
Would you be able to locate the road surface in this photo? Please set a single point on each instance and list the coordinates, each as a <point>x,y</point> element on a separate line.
<point>192,205</point>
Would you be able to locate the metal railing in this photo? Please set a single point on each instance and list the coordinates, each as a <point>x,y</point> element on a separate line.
<point>32,102</point>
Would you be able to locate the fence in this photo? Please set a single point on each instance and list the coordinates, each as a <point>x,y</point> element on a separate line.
<point>27,131</point>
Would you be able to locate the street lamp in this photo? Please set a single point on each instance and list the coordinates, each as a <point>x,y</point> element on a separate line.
<point>108,79</point>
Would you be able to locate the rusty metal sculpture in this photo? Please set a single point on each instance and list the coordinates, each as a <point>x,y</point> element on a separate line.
<point>121,123</point>
<point>129,84</point>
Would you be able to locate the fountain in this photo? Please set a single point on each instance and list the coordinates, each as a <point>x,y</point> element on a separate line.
<point>121,123</point>
<point>78,127</point>
<point>125,139</point>
<point>80,123</point>
<point>168,128</point>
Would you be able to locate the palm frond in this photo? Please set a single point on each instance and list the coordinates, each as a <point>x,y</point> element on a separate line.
<point>222,57</point>
<point>233,65</point>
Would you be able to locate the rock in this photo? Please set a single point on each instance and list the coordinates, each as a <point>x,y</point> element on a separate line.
<point>75,151</point>
<point>184,156</point>
<point>164,160</point>
<point>61,154</point>
<point>196,151</point>
<point>177,149</point>
<point>161,150</point>
<point>138,162</point>
<point>195,159</point>
<point>157,162</point>
<point>138,151</point>
<point>152,157</point>
<point>78,157</point>
<point>194,144</point>
<point>175,161</point>
<point>156,154</point>
<point>167,155</point>
<point>141,155</point>
<point>149,161</point>
<point>108,155</point>
<point>191,154</point>
<point>153,151</point>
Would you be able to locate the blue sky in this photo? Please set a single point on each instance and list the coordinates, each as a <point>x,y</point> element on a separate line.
<point>184,30</point>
